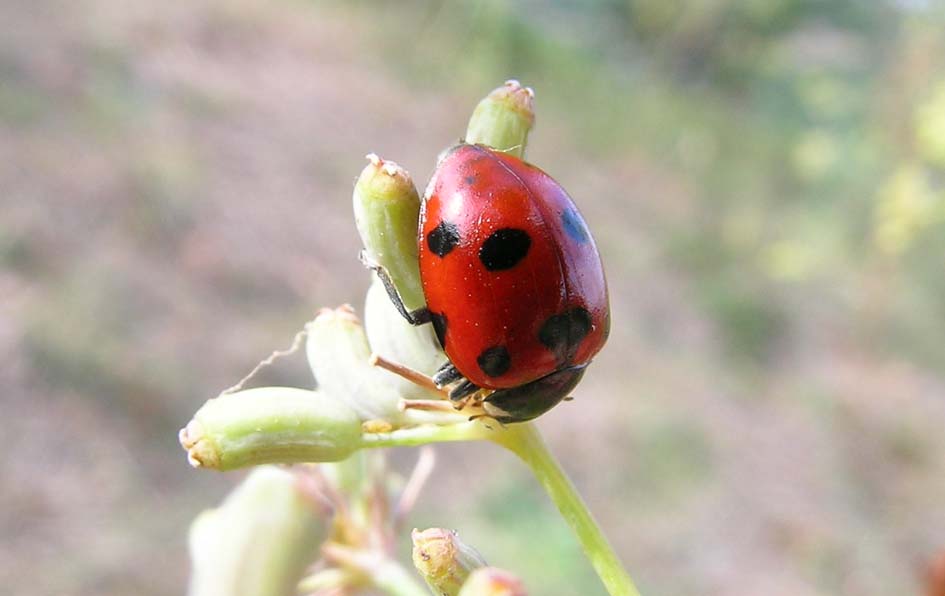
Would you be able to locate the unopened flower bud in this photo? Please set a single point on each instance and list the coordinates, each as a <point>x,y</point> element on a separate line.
<point>387,213</point>
<point>259,541</point>
<point>443,559</point>
<point>391,336</point>
<point>492,581</point>
<point>503,119</point>
<point>270,425</point>
<point>338,352</point>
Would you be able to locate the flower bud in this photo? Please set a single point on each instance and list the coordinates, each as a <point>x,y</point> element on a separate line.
<point>270,425</point>
<point>259,541</point>
<point>338,353</point>
<point>443,560</point>
<point>391,336</point>
<point>503,119</point>
<point>387,213</point>
<point>492,581</point>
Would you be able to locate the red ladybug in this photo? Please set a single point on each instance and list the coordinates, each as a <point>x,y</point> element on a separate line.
<point>513,282</point>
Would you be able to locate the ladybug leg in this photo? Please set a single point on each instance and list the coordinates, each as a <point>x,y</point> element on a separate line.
<point>415,317</point>
<point>462,390</point>
<point>446,375</point>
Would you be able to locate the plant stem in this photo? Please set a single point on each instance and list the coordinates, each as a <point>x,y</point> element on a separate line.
<point>423,435</point>
<point>525,441</point>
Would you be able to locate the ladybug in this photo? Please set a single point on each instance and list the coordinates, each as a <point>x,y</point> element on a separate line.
<point>513,283</point>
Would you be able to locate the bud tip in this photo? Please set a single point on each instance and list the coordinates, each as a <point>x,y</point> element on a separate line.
<point>200,452</point>
<point>515,86</point>
<point>345,312</point>
<point>388,167</point>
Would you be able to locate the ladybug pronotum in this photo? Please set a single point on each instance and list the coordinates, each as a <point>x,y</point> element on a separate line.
<point>513,283</point>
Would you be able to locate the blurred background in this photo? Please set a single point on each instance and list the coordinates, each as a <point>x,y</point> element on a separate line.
<point>765,179</point>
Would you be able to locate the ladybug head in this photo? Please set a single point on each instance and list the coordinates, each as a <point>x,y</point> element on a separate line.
<point>520,404</point>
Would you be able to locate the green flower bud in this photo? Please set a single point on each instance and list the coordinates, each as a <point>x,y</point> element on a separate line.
<point>492,581</point>
<point>387,213</point>
<point>270,425</point>
<point>503,119</point>
<point>443,560</point>
<point>339,355</point>
<point>259,541</point>
<point>391,336</point>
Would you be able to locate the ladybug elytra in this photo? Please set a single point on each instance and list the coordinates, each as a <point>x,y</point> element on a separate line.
<point>513,282</point>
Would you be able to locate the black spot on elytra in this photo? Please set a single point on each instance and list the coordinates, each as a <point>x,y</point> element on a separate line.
<point>495,361</point>
<point>563,333</point>
<point>443,238</point>
<point>439,327</point>
<point>504,248</point>
<point>470,180</point>
<point>574,226</point>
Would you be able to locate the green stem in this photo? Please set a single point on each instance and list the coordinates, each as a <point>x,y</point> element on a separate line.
<point>525,441</point>
<point>423,435</point>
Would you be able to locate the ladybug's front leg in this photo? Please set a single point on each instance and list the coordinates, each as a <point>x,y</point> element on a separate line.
<point>448,375</point>
<point>414,317</point>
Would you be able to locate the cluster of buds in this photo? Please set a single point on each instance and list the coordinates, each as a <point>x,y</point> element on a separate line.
<point>329,524</point>
<point>331,528</point>
<point>356,398</point>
